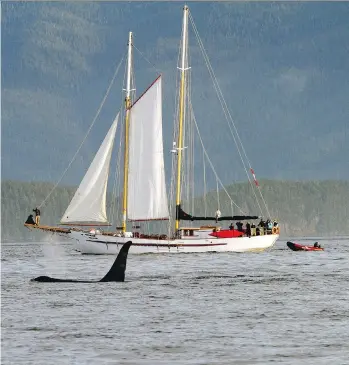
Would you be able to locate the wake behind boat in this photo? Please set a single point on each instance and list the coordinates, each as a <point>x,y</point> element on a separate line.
<point>144,194</point>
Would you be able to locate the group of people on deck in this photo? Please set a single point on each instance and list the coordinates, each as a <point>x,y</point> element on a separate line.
<point>263,227</point>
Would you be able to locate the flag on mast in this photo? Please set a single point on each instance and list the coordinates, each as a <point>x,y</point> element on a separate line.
<point>254,177</point>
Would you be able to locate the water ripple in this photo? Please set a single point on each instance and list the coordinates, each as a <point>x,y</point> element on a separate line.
<point>278,307</point>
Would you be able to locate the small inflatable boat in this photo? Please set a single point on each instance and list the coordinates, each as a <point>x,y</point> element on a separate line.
<point>298,247</point>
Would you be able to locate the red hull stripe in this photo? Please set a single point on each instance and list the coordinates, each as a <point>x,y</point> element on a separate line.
<point>86,224</point>
<point>164,244</point>
<point>148,220</point>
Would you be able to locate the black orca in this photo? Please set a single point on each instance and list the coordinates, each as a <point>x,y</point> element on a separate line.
<point>116,272</point>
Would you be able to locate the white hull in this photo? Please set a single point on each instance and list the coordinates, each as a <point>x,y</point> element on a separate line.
<point>109,245</point>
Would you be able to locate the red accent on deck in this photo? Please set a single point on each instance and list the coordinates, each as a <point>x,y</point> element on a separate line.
<point>227,233</point>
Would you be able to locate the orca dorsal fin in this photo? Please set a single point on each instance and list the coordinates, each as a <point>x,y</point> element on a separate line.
<point>117,271</point>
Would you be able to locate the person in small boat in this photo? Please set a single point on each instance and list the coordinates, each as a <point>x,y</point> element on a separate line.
<point>231,227</point>
<point>37,215</point>
<point>248,229</point>
<point>218,215</point>
<point>316,244</point>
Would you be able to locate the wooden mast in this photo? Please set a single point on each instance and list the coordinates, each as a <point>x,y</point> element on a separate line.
<point>181,114</point>
<point>127,120</point>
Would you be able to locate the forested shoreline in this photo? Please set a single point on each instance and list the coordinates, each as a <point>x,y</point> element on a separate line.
<point>305,208</point>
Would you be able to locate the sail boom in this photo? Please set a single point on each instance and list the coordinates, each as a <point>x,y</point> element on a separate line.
<point>181,215</point>
<point>149,220</point>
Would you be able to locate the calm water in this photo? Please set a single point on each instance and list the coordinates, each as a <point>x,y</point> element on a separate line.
<point>280,307</point>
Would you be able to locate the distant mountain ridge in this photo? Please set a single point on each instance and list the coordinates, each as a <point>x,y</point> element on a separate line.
<point>318,208</point>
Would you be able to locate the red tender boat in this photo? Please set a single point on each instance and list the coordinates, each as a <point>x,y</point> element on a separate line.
<point>298,247</point>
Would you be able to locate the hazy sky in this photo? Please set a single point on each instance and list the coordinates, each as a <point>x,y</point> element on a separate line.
<point>283,68</point>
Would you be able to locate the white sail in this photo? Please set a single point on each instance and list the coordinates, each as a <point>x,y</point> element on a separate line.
<point>89,201</point>
<point>147,198</point>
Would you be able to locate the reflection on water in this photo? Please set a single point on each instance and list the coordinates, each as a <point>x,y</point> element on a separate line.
<point>278,306</point>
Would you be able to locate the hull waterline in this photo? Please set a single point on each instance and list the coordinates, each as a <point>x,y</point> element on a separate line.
<point>104,245</point>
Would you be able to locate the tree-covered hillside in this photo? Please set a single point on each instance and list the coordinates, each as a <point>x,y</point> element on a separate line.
<point>302,208</point>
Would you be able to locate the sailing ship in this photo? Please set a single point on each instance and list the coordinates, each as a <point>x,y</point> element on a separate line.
<point>144,195</point>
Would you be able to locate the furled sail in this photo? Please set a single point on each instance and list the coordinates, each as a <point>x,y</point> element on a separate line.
<point>181,215</point>
<point>147,199</point>
<point>89,201</point>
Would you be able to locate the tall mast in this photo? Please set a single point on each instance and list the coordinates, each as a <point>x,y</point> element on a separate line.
<point>127,119</point>
<point>181,113</point>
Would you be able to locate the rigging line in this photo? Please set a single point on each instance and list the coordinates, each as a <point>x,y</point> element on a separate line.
<point>186,133</point>
<point>150,63</point>
<point>193,168</point>
<point>211,164</point>
<point>224,107</point>
<point>88,131</point>
<point>218,94</point>
<point>192,133</point>
<point>121,145</point>
<point>117,175</point>
<point>205,202</point>
<point>218,201</point>
<point>228,111</point>
<point>262,197</point>
<point>115,180</point>
<point>217,87</point>
<point>174,139</point>
<point>118,181</point>
<point>115,192</point>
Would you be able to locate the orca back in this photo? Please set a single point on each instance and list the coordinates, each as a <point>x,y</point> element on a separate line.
<point>48,279</point>
<point>117,271</point>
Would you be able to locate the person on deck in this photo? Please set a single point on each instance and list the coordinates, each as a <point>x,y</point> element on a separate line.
<point>218,215</point>
<point>270,225</point>
<point>30,219</point>
<point>253,229</point>
<point>239,226</point>
<point>37,216</point>
<point>248,229</point>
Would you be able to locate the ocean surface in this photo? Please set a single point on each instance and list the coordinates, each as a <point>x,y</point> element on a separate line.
<point>275,307</point>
